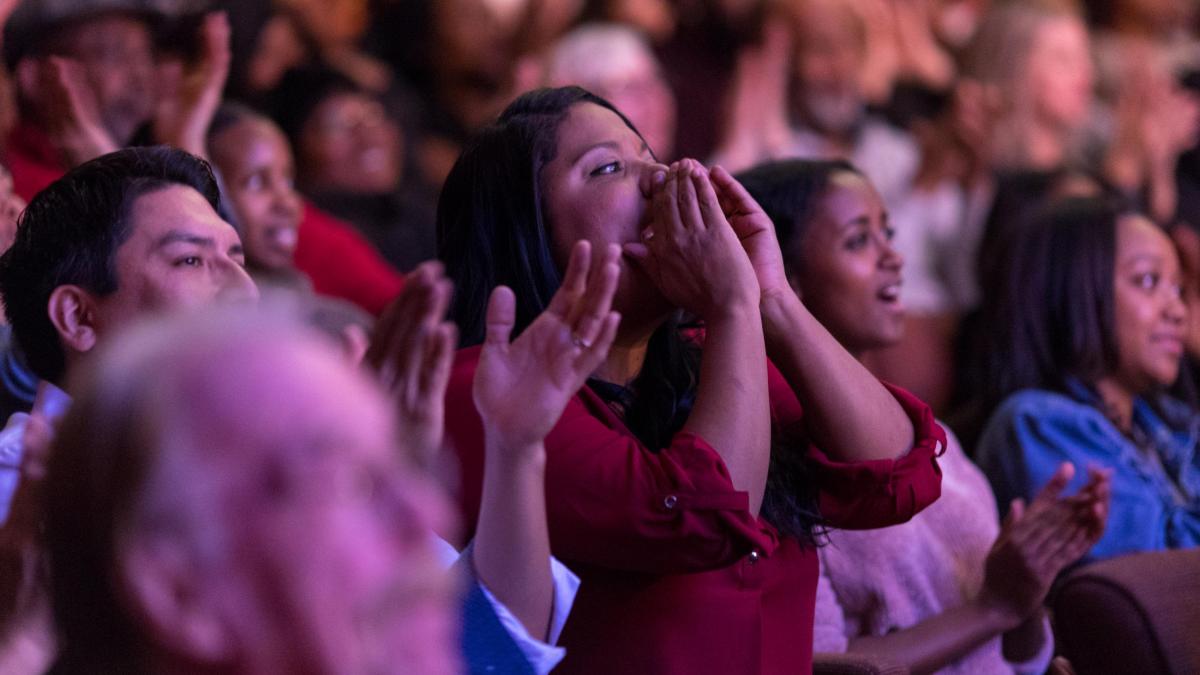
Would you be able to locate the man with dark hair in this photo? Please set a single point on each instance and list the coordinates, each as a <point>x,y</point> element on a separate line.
<point>135,234</point>
<point>131,233</point>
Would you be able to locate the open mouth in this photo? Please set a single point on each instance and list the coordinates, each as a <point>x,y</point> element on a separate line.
<point>890,293</point>
<point>283,238</point>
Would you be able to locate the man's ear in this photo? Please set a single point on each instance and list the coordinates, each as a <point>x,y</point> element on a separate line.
<point>355,342</point>
<point>72,310</point>
<point>169,599</point>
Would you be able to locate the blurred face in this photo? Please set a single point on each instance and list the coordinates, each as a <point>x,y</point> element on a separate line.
<point>331,22</point>
<point>330,565</point>
<point>117,54</point>
<point>179,254</point>
<point>1150,314</point>
<point>850,274</point>
<point>655,18</point>
<point>256,162</point>
<point>279,48</point>
<point>474,44</point>
<point>349,144</point>
<point>643,95</point>
<point>1159,15</point>
<point>829,60</point>
<point>1059,73</point>
<point>597,187</point>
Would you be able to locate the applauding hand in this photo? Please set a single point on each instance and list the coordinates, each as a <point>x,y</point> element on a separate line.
<point>71,113</point>
<point>191,97</point>
<point>522,387</point>
<point>1039,541</point>
<point>412,350</point>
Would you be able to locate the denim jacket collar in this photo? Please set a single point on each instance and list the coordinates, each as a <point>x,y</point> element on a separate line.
<point>1172,429</point>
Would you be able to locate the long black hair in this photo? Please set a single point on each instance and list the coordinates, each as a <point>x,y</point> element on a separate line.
<point>492,230</point>
<point>1051,317</point>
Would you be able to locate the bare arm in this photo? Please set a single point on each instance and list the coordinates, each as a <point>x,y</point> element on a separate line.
<point>733,375</point>
<point>191,95</point>
<point>520,391</point>
<point>511,553</point>
<point>1034,545</point>
<point>849,414</point>
<point>938,640</point>
<point>693,255</point>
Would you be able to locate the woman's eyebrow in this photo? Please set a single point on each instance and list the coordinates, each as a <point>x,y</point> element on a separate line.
<point>857,221</point>
<point>1139,257</point>
<point>611,145</point>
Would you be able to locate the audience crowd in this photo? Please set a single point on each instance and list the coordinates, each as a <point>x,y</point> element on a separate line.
<point>589,336</point>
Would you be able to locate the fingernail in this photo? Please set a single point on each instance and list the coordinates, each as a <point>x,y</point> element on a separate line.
<point>660,177</point>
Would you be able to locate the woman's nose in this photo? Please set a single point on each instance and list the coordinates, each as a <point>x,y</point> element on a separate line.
<point>648,169</point>
<point>891,258</point>
<point>1176,309</point>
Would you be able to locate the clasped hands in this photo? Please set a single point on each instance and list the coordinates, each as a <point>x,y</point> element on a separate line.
<point>709,246</point>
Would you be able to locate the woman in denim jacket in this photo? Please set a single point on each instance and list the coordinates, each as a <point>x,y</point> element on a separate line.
<point>1089,331</point>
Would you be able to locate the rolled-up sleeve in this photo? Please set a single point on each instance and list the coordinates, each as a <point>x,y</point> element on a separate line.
<point>879,493</point>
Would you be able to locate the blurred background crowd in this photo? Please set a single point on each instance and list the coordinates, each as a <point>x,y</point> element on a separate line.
<point>337,113</point>
<point>332,126</point>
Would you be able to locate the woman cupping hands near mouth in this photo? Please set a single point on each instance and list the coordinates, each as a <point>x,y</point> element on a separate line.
<point>688,481</point>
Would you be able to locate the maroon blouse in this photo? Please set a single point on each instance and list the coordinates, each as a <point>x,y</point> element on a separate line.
<point>678,575</point>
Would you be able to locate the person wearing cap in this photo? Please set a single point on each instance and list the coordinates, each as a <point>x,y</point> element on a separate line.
<point>87,83</point>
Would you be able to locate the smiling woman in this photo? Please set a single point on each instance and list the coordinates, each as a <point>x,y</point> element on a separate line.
<point>256,164</point>
<point>1094,335</point>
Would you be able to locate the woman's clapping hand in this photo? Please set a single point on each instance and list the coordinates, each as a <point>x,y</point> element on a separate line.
<point>411,351</point>
<point>1038,541</point>
<point>523,385</point>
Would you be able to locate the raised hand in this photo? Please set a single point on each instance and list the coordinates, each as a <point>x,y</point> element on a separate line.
<point>522,387</point>
<point>71,113</point>
<point>754,230</point>
<point>1039,541</point>
<point>689,250</point>
<point>411,351</point>
<point>191,97</point>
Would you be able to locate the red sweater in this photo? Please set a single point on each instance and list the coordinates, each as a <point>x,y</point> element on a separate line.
<point>32,160</point>
<point>342,264</point>
<point>678,575</point>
